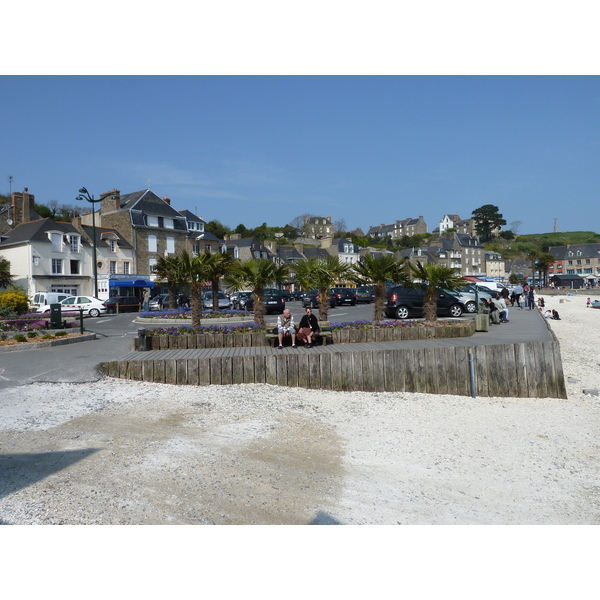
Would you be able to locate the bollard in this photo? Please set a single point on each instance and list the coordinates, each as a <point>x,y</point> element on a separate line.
<point>81,330</point>
<point>142,340</point>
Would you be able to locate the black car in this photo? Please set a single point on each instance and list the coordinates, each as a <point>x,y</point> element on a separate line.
<point>405,302</point>
<point>344,296</point>
<point>311,299</point>
<point>239,299</point>
<point>122,304</point>
<point>273,300</point>
<point>365,294</point>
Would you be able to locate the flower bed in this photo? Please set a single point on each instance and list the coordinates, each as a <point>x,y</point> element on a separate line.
<point>33,322</point>
<point>186,313</point>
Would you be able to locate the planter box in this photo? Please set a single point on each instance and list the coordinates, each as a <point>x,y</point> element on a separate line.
<point>339,336</point>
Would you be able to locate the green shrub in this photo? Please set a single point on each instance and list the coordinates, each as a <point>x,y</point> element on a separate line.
<point>32,334</point>
<point>60,334</point>
<point>20,338</point>
<point>3,335</point>
<point>47,336</point>
<point>15,298</point>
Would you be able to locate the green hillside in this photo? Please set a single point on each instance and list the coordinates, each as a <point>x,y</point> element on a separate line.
<point>561,238</point>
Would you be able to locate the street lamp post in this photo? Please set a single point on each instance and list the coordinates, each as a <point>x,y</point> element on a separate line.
<point>85,195</point>
<point>278,236</point>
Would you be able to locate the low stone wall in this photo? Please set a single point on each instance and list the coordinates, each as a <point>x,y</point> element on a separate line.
<point>339,336</point>
<point>513,370</point>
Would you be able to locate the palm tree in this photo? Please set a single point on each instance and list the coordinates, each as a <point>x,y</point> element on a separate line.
<point>194,271</point>
<point>256,273</point>
<point>6,278</point>
<point>434,276</point>
<point>380,270</point>
<point>167,269</point>
<point>322,274</point>
<point>543,262</point>
<point>217,266</point>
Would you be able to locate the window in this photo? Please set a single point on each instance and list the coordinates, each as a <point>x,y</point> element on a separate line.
<point>152,264</point>
<point>169,223</point>
<point>125,268</point>
<point>152,221</point>
<point>113,267</point>
<point>171,245</point>
<point>57,266</point>
<point>152,244</point>
<point>56,245</point>
<point>75,267</point>
<point>113,245</point>
<point>74,243</point>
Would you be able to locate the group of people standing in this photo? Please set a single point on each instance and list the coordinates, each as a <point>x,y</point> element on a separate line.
<point>522,295</point>
<point>307,332</point>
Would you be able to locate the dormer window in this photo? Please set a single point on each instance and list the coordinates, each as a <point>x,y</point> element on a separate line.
<point>113,245</point>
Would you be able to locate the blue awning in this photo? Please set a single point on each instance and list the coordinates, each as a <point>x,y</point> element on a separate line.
<point>130,283</point>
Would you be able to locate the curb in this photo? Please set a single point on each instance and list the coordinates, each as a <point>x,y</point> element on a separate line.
<point>58,342</point>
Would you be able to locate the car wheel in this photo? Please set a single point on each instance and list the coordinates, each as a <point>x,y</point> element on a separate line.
<point>402,312</point>
<point>456,310</point>
<point>94,312</point>
<point>471,307</point>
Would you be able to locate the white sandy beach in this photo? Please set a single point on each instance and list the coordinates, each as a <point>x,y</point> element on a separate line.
<point>120,452</point>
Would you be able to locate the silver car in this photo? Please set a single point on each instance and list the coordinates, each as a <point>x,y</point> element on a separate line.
<point>207,300</point>
<point>466,294</point>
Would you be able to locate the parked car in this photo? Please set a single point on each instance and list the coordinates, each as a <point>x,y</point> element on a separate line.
<point>298,295</point>
<point>274,302</point>
<point>466,294</point>
<point>365,294</point>
<point>239,299</point>
<point>405,302</point>
<point>207,300</point>
<point>122,304</point>
<point>91,306</point>
<point>311,299</point>
<point>159,302</point>
<point>287,295</point>
<point>344,295</point>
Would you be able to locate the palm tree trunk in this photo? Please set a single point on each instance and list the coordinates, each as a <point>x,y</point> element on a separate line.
<point>380,291</point>
<point>259,306</point>
<point>430,305</point>
<point>323,303</point>
<point>214,286</point>
<point>196,303</point>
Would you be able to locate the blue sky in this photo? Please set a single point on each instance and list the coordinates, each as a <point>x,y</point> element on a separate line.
<point>366,149</point>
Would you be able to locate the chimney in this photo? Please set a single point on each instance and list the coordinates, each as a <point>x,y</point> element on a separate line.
<point>111,202</point>
<point>26,206</point>
<point>167,200</point>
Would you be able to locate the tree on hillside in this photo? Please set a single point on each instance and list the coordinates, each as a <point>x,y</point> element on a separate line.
<point>515,226</point>
<point>434,276</point>
<point>217,229</point>
<point>379,271</point>
<point>487,221</point>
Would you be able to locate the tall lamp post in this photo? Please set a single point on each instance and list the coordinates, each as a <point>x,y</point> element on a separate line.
<point>85,195</point>
<point>278,236</point>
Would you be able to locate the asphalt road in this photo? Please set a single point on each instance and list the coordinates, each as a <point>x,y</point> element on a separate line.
<point>115,333</point>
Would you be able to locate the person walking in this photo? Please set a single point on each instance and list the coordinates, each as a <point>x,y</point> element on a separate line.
<point>146,300</point>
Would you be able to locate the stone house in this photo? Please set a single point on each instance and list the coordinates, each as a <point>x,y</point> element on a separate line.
<point>149,223</point>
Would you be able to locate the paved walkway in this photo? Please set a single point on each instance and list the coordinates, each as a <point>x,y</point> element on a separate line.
<point>523,326</point>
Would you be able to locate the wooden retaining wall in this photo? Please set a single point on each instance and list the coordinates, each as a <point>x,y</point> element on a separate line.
<point>513,370</point>
<point>339,336</point>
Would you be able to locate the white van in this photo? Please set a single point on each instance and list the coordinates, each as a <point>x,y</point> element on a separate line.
<point>43,299</point>
<point>495,286</point>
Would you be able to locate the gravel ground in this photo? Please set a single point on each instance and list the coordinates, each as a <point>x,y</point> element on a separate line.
<point>120,452</point>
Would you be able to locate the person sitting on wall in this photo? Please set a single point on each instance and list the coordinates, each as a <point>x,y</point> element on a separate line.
<point>308,328</point>
<point>285,327</point>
